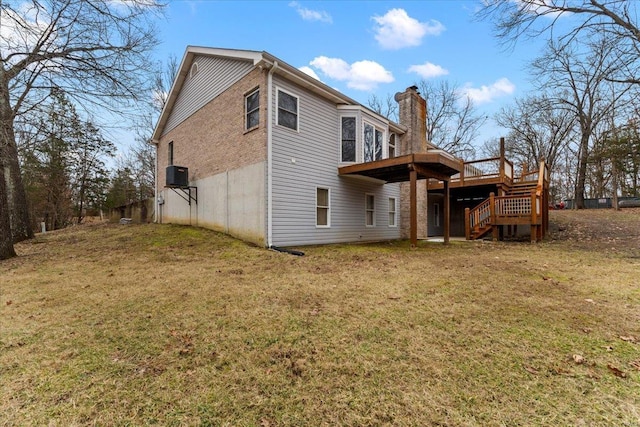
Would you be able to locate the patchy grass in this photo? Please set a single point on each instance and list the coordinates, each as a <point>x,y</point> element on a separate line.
<point>168,325</point>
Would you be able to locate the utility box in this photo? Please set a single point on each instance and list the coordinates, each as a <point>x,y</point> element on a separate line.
<point>177,176</point>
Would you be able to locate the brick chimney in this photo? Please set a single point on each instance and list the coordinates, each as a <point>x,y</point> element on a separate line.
<point>412,114</point>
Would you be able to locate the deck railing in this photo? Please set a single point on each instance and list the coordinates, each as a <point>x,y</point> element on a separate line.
<point>504,210</point>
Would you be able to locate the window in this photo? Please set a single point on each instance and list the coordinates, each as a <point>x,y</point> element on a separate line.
<point>392,212</point>
<point>252,109</point>
<point>370,210</point>
<point>392,145</point>
<point>323,217</point>
<point>287,110</point>
<point>436,214</point>
<point>348,139</point>
<point>194,70</point>
<point>372,143</point>
<point>378,145</point>
<point>170,154</point>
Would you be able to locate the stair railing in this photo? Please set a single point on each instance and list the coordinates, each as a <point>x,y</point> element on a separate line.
<point>478,217</point>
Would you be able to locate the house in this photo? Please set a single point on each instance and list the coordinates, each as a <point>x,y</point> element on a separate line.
<point>253,147</point>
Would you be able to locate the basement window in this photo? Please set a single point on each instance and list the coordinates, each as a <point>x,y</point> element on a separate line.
<point>392,212</point>
<point>370,210</point>
<point>323,208</point>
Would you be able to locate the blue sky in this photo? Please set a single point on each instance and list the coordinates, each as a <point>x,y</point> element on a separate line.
<point>363,47</point>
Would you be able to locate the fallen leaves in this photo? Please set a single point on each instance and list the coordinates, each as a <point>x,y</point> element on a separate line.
<point>617,372</point>
<point>629,338</point>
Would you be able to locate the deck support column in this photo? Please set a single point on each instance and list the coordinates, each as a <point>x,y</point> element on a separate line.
<point>447,210</point>
<point>413,220</point>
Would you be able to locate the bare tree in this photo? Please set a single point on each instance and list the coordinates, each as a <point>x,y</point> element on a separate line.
<point>577,74</point>
<point>538,129</point>
<point>613,20</point>
<point>95,51</point>
<point>386,107</point>
<point>452,120</point>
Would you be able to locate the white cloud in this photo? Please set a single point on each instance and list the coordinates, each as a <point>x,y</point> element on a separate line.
<point>308,71</point>
<point>396,29</point>
<point>485,94</point>
<point>311,15</point>
<point>361,75</point>
<point>428,70</point>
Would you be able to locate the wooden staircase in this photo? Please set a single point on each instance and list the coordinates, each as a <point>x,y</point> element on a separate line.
<point>523,203</point>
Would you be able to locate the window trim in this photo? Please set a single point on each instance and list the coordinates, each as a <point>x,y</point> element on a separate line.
<point>355,141</point>
<point>247,112</point>
<point>297,112</point>
<point>328,207</point>
<point>393,214</point>
<point>193,71</point>
<point>364,142</point>
<point>367,210</point>
<point>394,145</point>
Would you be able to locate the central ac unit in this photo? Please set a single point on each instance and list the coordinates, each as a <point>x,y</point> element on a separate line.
<point>177,176</point>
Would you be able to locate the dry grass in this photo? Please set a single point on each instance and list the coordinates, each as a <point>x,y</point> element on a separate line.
<point>167,325</point>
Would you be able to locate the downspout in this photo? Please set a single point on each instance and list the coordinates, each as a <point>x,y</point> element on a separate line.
<point>156,211</point>
<point>273,69</point>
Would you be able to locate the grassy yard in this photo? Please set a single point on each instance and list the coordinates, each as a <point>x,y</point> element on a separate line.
<point>168,325</point>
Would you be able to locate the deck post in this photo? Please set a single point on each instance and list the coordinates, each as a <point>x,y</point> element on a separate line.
<point>534,217</point>
<point>413,220</point>
<point>502,159</point>
<point>467,224</point>
<point>447,219</point>
<point>492,212</point>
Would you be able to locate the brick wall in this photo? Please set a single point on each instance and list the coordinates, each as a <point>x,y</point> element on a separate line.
<point>213,139</point>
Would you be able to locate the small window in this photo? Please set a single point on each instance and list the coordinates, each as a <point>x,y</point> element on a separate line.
<point>348,139</point>
<point>392,212</point>
<point>287,110</point>
<point>170,154</point>
<point>436,214</point>
<point>392,145</point>
<point>252,109</point>
<point>323,213</point>
<point>194,70</point>
<point>370,210</point>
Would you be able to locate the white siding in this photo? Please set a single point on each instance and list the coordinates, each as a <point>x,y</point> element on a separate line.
<point>309,158</point>
<point>214,76</point>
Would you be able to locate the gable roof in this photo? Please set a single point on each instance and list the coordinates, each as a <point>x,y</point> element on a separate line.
<point>263,59</point>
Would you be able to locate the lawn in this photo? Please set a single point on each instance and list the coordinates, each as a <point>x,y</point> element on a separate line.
<point>169,325</point>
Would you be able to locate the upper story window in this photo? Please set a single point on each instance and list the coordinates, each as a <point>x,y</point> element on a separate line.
<point>392,145</point>
<point>170,154</point>
<point>287,110</point>
<point>194,70</point>
<point>348,151</point>
<point>372,144</point>
<point>252,109</point>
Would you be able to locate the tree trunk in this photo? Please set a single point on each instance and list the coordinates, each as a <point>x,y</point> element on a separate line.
<point>582,172</point>
<point>16,196</point>
<point>6,241</point>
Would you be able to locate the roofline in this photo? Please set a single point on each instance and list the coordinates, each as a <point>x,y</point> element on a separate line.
<point>258,58</point>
